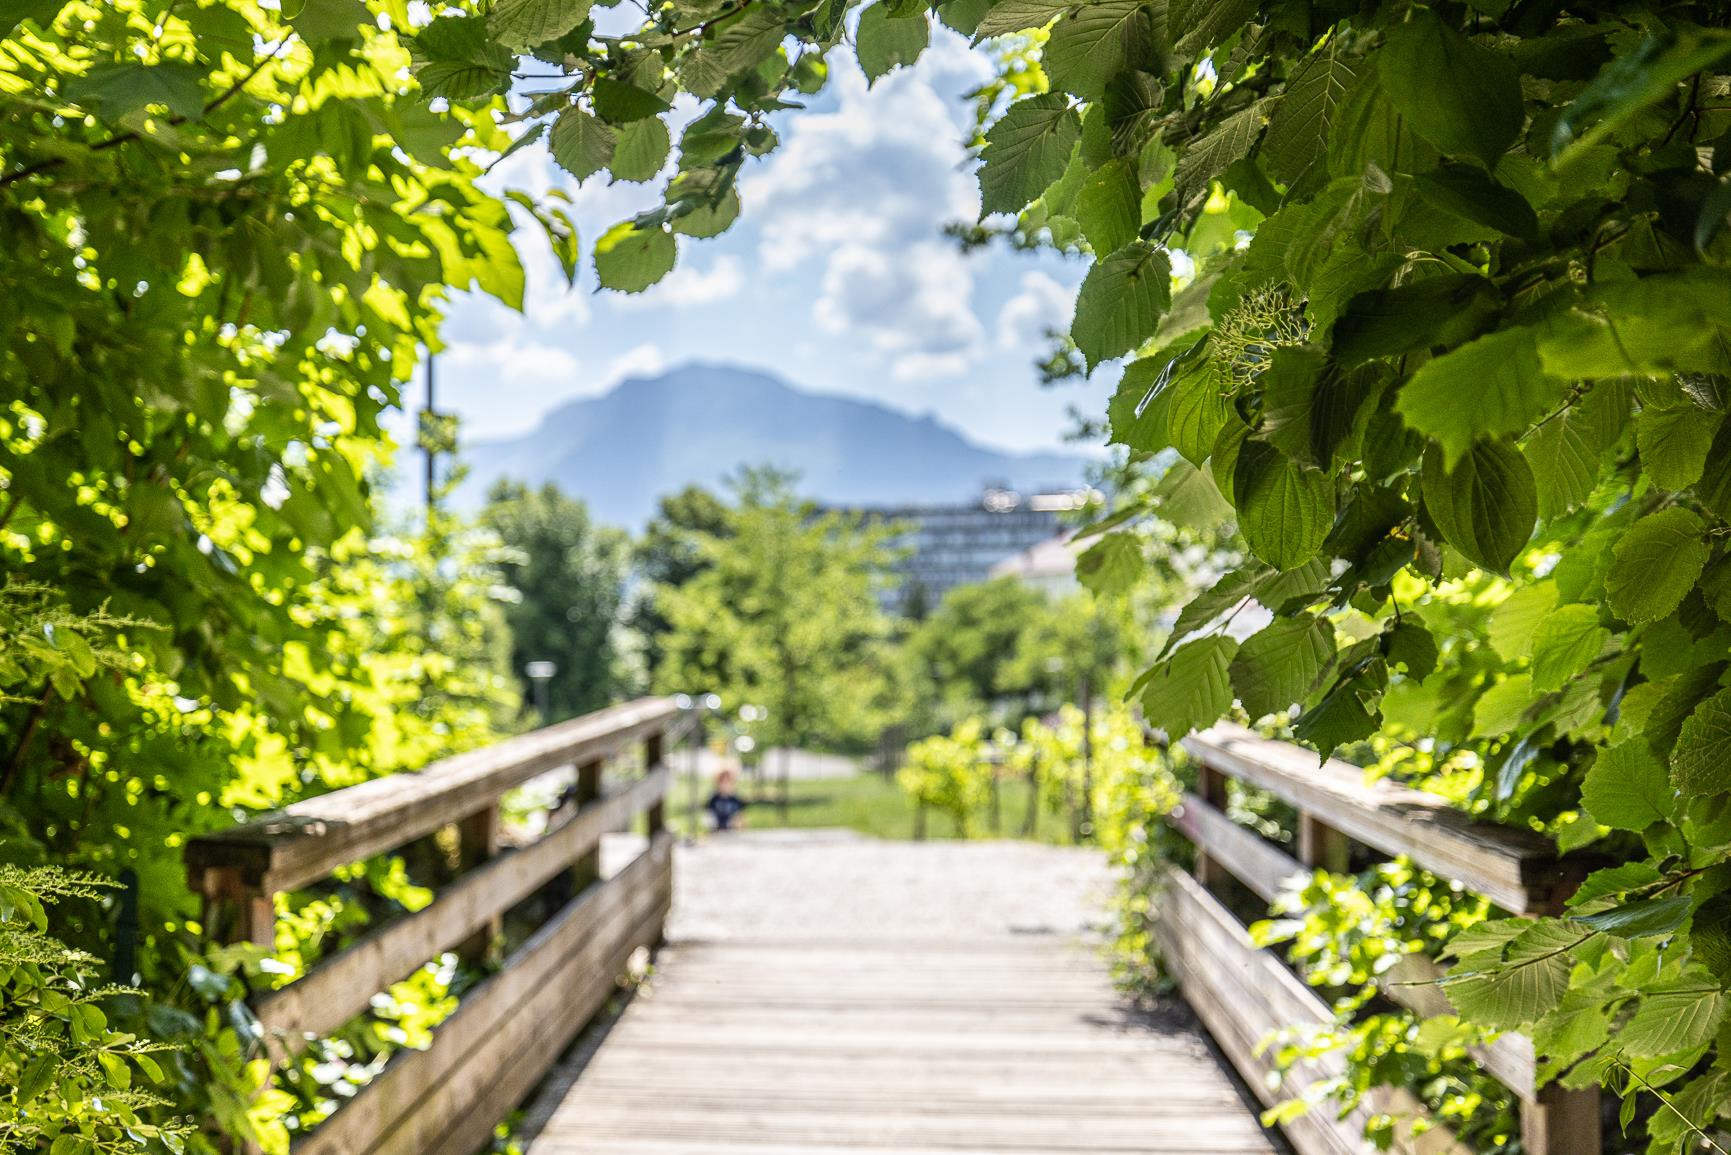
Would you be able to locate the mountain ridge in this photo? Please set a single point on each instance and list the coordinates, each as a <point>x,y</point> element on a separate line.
<point>699,422</point>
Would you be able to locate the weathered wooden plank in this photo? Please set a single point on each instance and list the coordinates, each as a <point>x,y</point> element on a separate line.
<point>341,986</point>
<point>1516,869</point>
<point>1243,994</point>
<point>1258,864</point>
<point>457,1117</point>
<point>305,842</point>
<point>359,1126</point>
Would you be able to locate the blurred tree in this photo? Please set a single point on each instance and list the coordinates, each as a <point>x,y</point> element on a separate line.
<point>668,556</point>
<point>569,574</point>
<point>784,615</point>
<point>978,647</point>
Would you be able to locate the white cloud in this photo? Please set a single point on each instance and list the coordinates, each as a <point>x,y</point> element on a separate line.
<point>917,299</point>
<point>513,373</point>
<point>646,360</point>
<point>1041,304</point>
<point>915,367</point>
<point>887,167</point>
<point>688,285</point>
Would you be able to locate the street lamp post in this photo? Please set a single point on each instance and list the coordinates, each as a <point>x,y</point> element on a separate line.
<point>541,673</point>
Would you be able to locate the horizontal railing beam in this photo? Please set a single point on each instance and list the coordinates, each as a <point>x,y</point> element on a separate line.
<point>305,842</point>
<point>1515,869</point>
<point>340,987</point>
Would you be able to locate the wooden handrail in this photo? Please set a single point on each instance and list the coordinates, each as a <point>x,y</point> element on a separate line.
<point>511,1027</point>
<point>1516,869</point>
<point>288,848</point>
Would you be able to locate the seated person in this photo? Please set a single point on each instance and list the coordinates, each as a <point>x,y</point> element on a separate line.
<point>725,804</point>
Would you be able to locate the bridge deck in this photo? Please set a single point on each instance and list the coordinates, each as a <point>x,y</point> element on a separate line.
<point>826,995</point>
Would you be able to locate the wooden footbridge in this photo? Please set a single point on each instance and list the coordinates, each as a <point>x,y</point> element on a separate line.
<point>841,997</point>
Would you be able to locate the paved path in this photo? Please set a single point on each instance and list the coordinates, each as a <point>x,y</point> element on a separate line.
<point>828,995</point>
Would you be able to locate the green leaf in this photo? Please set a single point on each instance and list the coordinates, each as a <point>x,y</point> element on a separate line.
<point>1298,131</point>
<point>1227,591</point>
<point>1339,719</point>
<point>1565,451</point>
<point>702,219</point>
<point>1628,787</point>
<point>1672,1018</point>
<point>458,58</point>
<point>1502,708</point>
<point>116,91</point>
<point>1565,643</point>
<point>1526,979</point>
<point>640,150</point>
<point>1092,44</point>
<point>581,144</point>
<point>1440,310</point>
<point>1112,565</point>
<point>1109,207</point>
<point>1137,411</point>
<point>1643,918</point>
<point>1213,154</point>
<point>619,103</point>
<point>1285,509</point>
<point>1282,663</point>
<point>1463,98</point>
<point>1655,563</point>
<point>1484,389</point>
<point>114,1068</point>
<point>38,1074</point>
<point>1019,16</point>
<point>1191,689</point>
<point>1121,302</point>
<point>1132,108</point>
<point>1486,505</point>
<point>1632,82</point>
<point>1701,763</point>
<point>1674,443</point>
<point>1187,496</point>
<point>630,259</point>
<point>964,16</point>
<point>743,41</point>
<point>885,42</point>
<point>522,24</point>
<point>42,12</point>
<point>1026,150</point>
<point>323,21</point>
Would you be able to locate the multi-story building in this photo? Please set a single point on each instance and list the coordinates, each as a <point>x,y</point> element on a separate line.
<point>946,546</point>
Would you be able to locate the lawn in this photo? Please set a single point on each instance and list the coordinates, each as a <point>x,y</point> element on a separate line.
<point>869,803</point>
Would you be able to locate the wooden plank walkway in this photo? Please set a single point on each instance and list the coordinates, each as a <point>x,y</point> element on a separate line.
<point>830,996</point>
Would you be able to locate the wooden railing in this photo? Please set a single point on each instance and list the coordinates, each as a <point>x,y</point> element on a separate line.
<point>1244,994</point>
<point>510,1028</point>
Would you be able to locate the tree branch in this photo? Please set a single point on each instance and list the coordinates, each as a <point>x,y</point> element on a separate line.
<point>215,103</point>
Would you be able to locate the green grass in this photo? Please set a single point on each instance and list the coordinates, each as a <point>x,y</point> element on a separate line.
<point>870,804</point>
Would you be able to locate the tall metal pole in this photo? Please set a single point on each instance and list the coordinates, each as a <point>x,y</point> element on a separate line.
<point>1087,756</point>
<point>429,414</point>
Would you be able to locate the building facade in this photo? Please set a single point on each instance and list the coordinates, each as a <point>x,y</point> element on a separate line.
<point>946,546</point>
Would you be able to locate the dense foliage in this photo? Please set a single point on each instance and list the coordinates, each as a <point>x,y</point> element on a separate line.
<point>1430,301</point>
<point>568,577</point>
<point>784,616</point>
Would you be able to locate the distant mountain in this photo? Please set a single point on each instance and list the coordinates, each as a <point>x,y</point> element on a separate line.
<point>698,423</point>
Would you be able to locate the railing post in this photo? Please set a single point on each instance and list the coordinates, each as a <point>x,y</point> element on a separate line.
<point>235,908</point>
<point>1322,846</point>
<point>477,841</point>
<point>587,869</point>
<point>657,814</point>
<point>1211,785</point>
<point>1561,1122</point>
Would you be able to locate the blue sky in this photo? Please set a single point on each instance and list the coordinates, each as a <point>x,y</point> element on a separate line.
<point>837,277</point>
